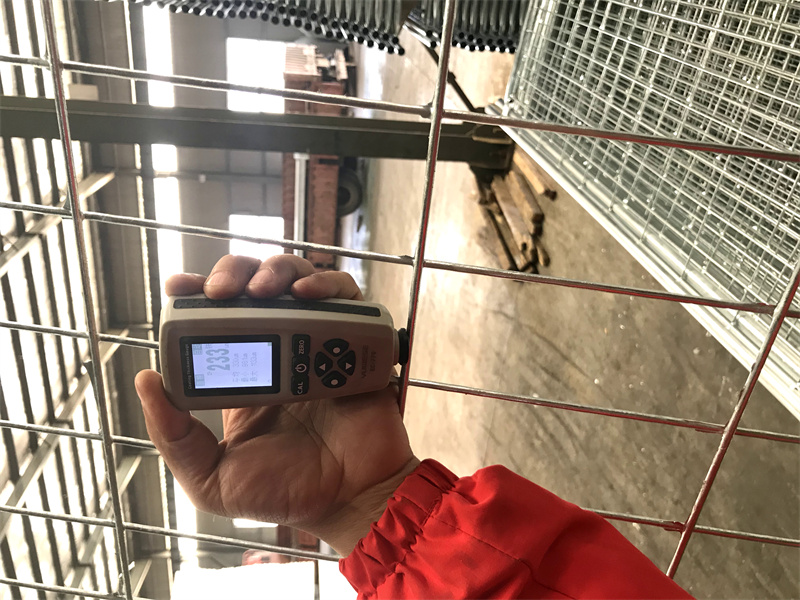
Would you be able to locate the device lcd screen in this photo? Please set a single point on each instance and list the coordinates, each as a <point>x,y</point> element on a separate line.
<point>225,365</point>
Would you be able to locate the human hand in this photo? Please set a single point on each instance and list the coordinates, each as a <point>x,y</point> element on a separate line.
<point>325,466</point>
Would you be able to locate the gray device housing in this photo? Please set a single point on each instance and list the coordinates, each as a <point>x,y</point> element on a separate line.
<point>366,330</point>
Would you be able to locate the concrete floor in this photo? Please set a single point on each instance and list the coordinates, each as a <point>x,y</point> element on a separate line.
<point>576,346</point>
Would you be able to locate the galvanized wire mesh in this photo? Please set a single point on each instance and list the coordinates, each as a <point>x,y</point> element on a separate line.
<point>374,24</point>
<point>114,517</point>
<point>711,71</point>
<point>480,24</point>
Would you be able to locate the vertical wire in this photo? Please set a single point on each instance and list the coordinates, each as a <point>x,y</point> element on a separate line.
<point>56,70</point>
<point>730,428</point>
<point>430,169</point>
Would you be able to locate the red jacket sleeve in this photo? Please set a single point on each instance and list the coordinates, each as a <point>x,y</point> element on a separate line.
<point>495,535</point>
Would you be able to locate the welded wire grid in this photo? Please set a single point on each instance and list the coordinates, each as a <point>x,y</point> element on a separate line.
<point>715,71</point>
<point>56,427</point>
<point>479,24</point>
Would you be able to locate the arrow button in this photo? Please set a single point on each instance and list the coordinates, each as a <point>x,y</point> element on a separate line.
<point>348,363</point>
<point>322,364</point>
<point>336,347</point>
<point>334,379</point>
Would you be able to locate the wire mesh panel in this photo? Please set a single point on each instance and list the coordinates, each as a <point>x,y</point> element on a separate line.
<point>711,71</point>
<point>480,24</point>
<point>103,461</point>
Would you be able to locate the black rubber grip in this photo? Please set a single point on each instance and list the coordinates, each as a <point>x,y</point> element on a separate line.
<point>402,336</point>
<point>280,303</point>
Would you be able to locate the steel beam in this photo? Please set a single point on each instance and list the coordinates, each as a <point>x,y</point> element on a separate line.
<point>139,571</point>
<point>99,122</point>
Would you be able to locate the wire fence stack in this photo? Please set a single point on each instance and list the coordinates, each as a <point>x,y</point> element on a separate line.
<point>712,71</point>
<point>373,23</point>
<point>492,25</point>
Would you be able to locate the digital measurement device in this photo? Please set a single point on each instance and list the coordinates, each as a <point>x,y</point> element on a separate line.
<point>256,352</point>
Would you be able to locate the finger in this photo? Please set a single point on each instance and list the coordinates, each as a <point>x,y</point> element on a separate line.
<point>327,284</point>
<point>188,447</point>
<point>276,274</point>
<point>184,284</point>
<point>230,275</point>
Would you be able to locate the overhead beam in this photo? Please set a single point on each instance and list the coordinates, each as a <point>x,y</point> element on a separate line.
<point>99,122</point>
<point>139,571</point>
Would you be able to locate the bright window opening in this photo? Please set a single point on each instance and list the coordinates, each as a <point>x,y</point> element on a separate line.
<point>256,225</point>
<point>251,524</point>
<point>158,53</point>
<point>259,63</point>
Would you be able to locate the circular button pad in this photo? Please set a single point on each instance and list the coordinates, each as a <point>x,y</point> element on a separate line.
<point>335,350</point>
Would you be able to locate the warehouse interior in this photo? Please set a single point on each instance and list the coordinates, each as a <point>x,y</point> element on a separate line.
<point>613,399</point>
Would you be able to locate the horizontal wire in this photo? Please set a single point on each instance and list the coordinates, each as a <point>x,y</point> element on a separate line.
<point>227,235</point>
<point>82,435</point>
<point>39,209</point>
<point>17,59</point>
<point>665,524</point>
<point>752,307</point>
<point>66,432</point>
<point>58,589</point>
<point>701,426</point>
<point>106,337</point>
<point>123,440</point>
<point>166,532</point>
<point>621,136</point>
<point>421,111</point>
<point>228,541</point>
<point>226,86</point>
<point>677,527</point>
<point>749,537</point>
<point>70,518</point>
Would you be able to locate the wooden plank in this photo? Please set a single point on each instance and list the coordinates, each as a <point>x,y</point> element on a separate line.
<point>512,214</point>
<point>525,199</point>
<point>536,178</point>
<point>518,258</point>
<point>491,240</point>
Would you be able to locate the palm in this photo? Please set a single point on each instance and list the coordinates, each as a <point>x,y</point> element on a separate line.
<point>304,464</point>
<point>295,463</point>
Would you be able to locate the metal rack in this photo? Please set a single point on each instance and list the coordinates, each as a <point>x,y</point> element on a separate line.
<point>702,224</point>
<point>373,24</point>
<point>93,335</point>
<point>480,24</point>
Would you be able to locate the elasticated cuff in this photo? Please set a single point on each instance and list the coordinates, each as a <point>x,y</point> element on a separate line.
<point>377,555</point>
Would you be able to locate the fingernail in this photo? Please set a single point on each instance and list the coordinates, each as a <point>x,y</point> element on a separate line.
<point>221,278</point>
<point>262,277</point>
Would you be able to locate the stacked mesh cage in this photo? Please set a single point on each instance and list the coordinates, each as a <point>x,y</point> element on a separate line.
<point>492,25</point>
<point>371,23</point>
<point>712,71</point>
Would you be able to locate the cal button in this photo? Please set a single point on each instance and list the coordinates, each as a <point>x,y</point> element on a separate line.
<point>299,385</point>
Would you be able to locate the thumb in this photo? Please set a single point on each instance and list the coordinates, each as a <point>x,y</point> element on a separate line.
<point>189,448</point>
